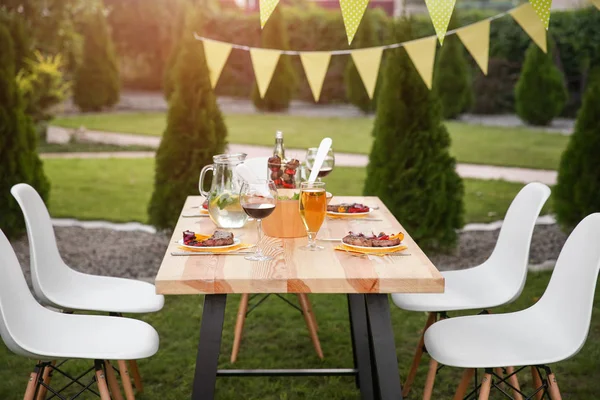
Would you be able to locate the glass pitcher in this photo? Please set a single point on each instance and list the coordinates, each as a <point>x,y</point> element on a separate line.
<point>224,205</point>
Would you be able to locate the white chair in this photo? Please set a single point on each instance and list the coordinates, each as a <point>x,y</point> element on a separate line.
<point>552,330</point>
<point>31,330</point>
<point>499,280</point>
<point>57,285</point>
<point>258,165</point>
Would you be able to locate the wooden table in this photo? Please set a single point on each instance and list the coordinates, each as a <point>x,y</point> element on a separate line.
<point>365,281</point>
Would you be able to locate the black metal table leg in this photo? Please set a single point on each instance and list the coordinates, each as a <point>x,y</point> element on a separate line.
<point>209,346</point>
<point>357,313</point>
<point>385,362</point>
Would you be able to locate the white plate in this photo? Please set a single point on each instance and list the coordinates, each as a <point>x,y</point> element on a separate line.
<point>372,248</point>
<point>236,241</point>
<point>349,214</point>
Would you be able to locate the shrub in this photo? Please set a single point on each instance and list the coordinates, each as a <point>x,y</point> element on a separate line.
<point>410,167</point>
<point>494,93</point>
<point>195,132</point>
<point>280,91</point>
<point>355,89</point>
<point>97,79</point>
<point>577,192</point>
<point>20,38</point>
<point>540,94</point>
<point>452,82</point>
<point>19,161</point>
<point>42,85</point>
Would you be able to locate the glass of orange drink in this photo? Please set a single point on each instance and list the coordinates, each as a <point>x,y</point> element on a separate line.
<point>313,209</point>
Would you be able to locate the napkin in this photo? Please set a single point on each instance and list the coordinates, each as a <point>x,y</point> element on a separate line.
<point>375,251</point>
<point>346,215</point>
<point>238,247</point>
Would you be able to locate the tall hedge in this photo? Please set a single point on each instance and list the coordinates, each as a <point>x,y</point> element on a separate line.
<point>577,192</point>
<point>97,79</point>
<point>410,167</point>
<point>366,36</point>
<point>19,161</point>
<point>283,84</point>
<point>540,94</point>
<point>452,81</point>
<point>195,132</point>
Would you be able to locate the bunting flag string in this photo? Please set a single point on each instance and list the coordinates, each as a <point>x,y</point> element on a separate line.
<point>440,12</point>
<point>596,3</point>
<point>352,13</point>
<point>475,38</point>
<point>542,9</point>
<point>266,9</point>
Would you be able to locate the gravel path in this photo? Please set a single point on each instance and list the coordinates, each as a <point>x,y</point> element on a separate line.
<point>139,254</point>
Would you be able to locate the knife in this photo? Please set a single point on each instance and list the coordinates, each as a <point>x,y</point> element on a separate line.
<point>208,253</point>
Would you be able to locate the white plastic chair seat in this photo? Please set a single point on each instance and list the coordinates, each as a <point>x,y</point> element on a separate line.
<point>105,294</point>
<point>469,289</point>
<point>54,336</point>
<point>502,340</point>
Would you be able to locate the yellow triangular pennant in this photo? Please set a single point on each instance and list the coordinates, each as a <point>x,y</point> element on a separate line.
<point>526,17</point>
<point>440,12</point>
<point>352,13</point>
<point>367,63</point>
<point>542,9</point>
<point>476,39</point>
<point>422,54</point>
<point>264,62</point>
<point>266,9</point>
<point>216,55</point>
<point>596,3</point>
<point>315,65</point>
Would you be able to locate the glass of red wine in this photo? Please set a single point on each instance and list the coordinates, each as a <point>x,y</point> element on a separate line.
<point>258,199</point>
<point>328,163</point>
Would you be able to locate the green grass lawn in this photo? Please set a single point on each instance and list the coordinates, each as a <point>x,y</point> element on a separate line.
<point>85,147</point>
<point>275,337</point>
<point>470,143</point>
<point>120,189</point>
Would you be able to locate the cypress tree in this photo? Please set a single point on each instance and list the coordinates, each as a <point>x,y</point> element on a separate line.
<point>97,79</point>
<point>355,89</point>
<point>195,132</point>
<point>19,161</point>
<point>280,91</point>
<point>452,82</point>
<point>410,167</point>
<point>540,94</point>
<point>577,192</point>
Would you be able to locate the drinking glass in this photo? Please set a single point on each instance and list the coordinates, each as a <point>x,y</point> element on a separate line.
<point>313,208</point>
<point>258,199</point>
<point>328,163</point>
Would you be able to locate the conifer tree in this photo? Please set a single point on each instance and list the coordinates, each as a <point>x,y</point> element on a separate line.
<point>195,132</point>
<point>280,91</point>
<point>97,79</point>
<point>410,167</point>
<point>577,192</point>
<point>19,161</point>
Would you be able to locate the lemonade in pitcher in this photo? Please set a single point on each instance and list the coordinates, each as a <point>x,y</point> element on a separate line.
<point>226,211</point>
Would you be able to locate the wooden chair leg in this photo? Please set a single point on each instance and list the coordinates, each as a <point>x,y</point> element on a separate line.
<point>514,382</point>
<point>101,381</point>
<point>486,385</point>
<point>553,388</point>
<point>46,378</point>
<point>310,310</point>
<point>461,390</point>
<point>536,382</point>
<point>500,373</point>
<point>125,380</point>
<point>308,318</point>
<point>111,379</point>
<point>430,380</point>
<point>412,373</point>
<point>239,326</point>
<point>137,378</point>
<point>32,384</point>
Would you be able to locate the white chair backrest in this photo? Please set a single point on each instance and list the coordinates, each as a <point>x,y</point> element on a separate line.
<point>258,165</point>
<point>18,308</point>
<point>569,297</point>
<point>47,267</point>
<point>511,253</point>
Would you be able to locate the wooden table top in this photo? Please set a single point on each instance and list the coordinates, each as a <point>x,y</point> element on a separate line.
<point>296,271</point>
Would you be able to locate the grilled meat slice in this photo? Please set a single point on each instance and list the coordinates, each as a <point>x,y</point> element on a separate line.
<point>386,243</point>
<point>357,240</point>
<point>219,238</point>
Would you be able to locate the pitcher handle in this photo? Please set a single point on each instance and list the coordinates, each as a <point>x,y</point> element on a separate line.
<point>201,180</point>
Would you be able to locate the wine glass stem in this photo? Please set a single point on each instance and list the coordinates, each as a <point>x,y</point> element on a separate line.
<point>260,234</point>
<point>312,242</point>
